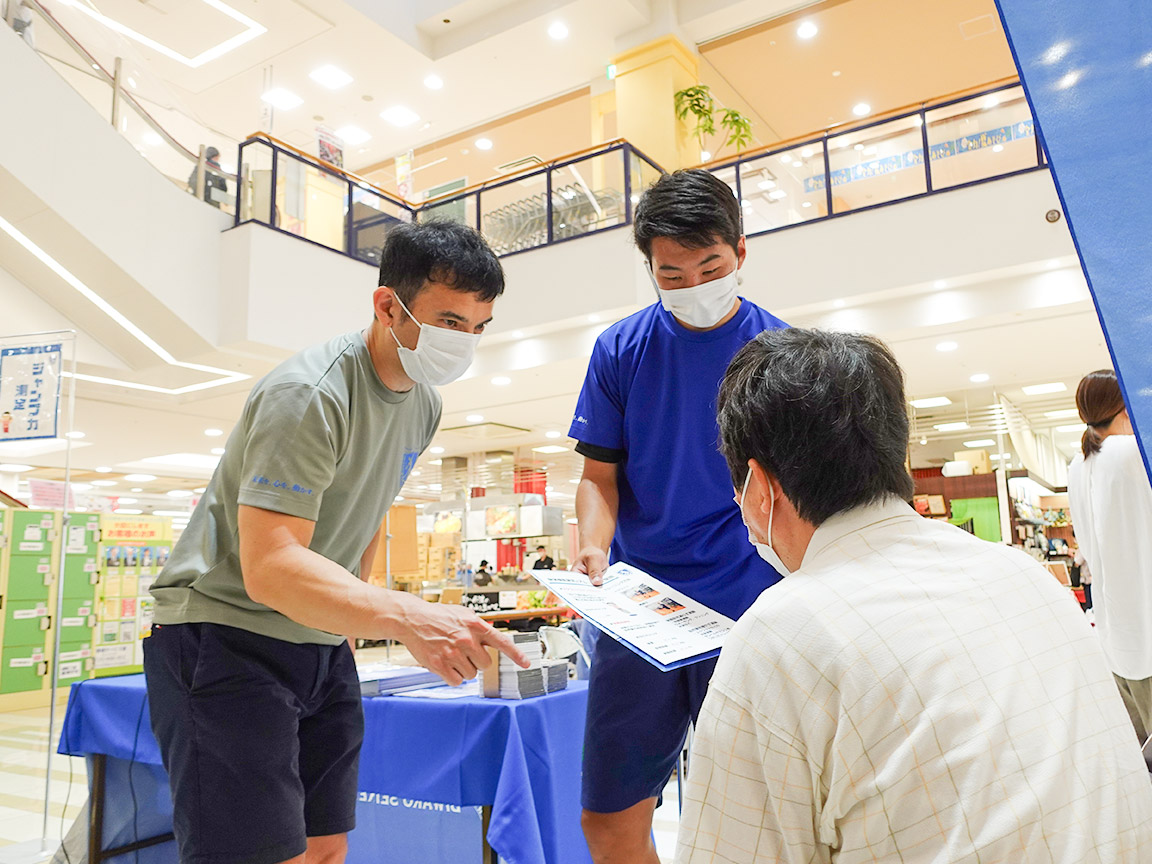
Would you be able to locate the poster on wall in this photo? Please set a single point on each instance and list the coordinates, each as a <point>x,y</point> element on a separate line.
<point>30,391</point>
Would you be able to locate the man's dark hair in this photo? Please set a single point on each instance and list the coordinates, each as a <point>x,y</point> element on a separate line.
<point>693,207</point>
<point>541,546</point>
<point>823,412</point>
<point>442,252</point>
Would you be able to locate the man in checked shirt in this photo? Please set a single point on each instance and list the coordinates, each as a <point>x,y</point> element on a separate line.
<point>907,692</point>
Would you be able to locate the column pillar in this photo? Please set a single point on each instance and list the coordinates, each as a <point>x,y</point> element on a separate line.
<point>647,78</point>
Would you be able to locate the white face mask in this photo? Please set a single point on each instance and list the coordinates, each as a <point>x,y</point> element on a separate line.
<point>440,356</point>
<point>701,305</point>
<point>764,550</point>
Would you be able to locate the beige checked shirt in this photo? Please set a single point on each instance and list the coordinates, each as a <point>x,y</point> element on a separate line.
<point>914,694</point>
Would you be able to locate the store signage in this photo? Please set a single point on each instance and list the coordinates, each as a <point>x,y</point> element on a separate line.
<point>30,391</point>
<point>50,494</point>
<point>133,529</point>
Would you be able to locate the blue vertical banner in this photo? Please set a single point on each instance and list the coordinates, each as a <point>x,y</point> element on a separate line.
<point>1087,71</point>
<point>30,377</point>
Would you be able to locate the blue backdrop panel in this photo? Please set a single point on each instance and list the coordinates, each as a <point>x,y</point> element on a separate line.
<point>1087,70</point>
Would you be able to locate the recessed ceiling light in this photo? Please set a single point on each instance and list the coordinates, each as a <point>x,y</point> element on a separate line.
<point>858,147</point>
<point>983,442</point>
<point>950,427</point>
<point>102,469</point>
<point>553,434</point>
<point>939,283</point>
<point>786,158</point>
<point>213,433</point>
<point>475,418</point>
<point>979,378</point>
<point>435,449</point>
<point>946,346</point>
<point>766,185</point>
<point>136,489</point>
<point>179,493</point>
<point>594,318</point>
<point>997,148</point>
<point>1062,413</point>
<point>777,194</point>
<point>807,30</point>
<point>124,500</point>
<point>217,451</point>
<point>923,441</point>
<point>434,82</point>
<point>200,490</point>
<point>1041,389</point>
<point>139,478</point>
<point>705,155</point>
<point>501,381</point>
<point>838,304</point>
<point>353,136</point>
<point>1074,427</point>
<point>127,511</point>
<point>74,435</point>
<point>870,151</point>
<point>283,99</point>
<point>550,448</point>
<point>836,73</point>
<point>931,402</point>
<point>399,115</point>
<point>483,144</point>
<point>558,30</point>
<point>861,109</point>
<point>103,482</point>
<point>433,462</point>
<point>331,77</point>
<point>84,487</point>
<point>806,204</point>
<point>12,468</point>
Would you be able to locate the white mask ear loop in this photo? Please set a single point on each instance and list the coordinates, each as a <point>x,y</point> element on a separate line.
<point>771,513</point>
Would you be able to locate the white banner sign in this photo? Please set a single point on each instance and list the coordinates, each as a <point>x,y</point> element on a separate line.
<point>30,391</point>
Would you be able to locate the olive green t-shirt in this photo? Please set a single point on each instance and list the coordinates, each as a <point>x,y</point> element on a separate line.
<point>321,438</point>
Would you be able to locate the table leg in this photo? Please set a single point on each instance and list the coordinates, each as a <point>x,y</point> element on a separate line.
<point>96,810</point>
<point>488,855</point>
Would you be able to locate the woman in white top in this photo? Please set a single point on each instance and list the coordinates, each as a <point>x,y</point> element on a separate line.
<point>1111,503</point>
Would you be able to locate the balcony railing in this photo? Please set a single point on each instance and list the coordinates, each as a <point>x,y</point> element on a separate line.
<point>573,196</point>
<point>980,136</point>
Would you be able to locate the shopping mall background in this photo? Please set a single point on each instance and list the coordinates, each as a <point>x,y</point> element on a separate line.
<point>969,273</point>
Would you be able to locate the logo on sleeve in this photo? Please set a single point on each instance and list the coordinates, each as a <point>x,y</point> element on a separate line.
<point>261,480</point>
<point>407,465</point>
<point>580,418</point>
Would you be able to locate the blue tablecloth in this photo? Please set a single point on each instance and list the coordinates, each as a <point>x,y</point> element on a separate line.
<point>520,757</point>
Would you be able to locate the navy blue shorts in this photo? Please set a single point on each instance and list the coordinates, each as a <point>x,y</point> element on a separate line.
<point>260,737</point>
<point>637,719</point>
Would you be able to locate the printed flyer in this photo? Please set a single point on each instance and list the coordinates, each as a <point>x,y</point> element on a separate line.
<point>665,627</point>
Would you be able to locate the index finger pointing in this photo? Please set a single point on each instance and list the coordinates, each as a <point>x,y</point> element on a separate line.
<point>506,646</point>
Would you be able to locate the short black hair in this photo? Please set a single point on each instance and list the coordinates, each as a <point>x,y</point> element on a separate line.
<point>694,207</point>
<point>541,546</point>
<point>824,413</point>
<point>443,252</point>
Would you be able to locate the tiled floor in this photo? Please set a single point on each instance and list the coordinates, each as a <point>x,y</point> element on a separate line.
<point>23,754</point>
<point>23,760</point>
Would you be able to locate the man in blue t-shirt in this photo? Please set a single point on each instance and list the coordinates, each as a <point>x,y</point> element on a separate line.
<point>656,488</point>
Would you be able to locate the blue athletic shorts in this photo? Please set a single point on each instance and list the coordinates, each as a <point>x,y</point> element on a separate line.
<point>637,719</point>
<point>260,737</point>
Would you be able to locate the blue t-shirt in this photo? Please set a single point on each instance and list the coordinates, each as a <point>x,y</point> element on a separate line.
<point>650,394</point>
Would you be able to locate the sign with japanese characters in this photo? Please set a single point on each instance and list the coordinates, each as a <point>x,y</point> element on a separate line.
<point>30,391</point>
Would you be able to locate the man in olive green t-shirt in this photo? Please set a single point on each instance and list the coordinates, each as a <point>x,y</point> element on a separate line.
<point>254,696</point>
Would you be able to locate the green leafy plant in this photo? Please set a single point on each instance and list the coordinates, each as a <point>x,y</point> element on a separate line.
<point>697,103</point>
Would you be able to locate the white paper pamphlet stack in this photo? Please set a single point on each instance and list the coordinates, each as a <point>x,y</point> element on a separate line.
<point>665,627</point>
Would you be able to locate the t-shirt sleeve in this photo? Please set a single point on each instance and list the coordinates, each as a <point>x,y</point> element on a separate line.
<point>599,419</point>
<point>294,436</point>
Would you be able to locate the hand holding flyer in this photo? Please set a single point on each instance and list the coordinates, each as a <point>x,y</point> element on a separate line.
<point>665,627</point>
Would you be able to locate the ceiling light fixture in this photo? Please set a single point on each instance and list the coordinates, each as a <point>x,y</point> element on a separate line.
<point>435,449</point>
<point>213,433</point>
<point>777,194</point>
<point>979,377</point>
<point>217,451</point>
<point>179,493</point>
<point>353,136</point>
<point>766,185</point>
<point>501,381</point>
<point>861,109</point>
<point>1073,427</point>
<point>434,82</point>
<point>104,483</point>
<point>558,30</point>
<point>807,30</point>
<point>1042,389</point>
<point>74,434</point>
<point>483,144</point>
<point>399,116</point>
<point>11,468</point>
<point>946,346</point>
<point>102,469</point>
<point>124,500</point>
<point>550,448</point>
<point>251,31</point>
<point>931,402</point>
<point>127,511</point>
<point>139,478</point>
<point>331,77</point>
<point>285,100</point>
<point>553,434</point>
<point>983,442</point>
<point>950,427</point>
<point>475,418</point>
<point>1062,413</point>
